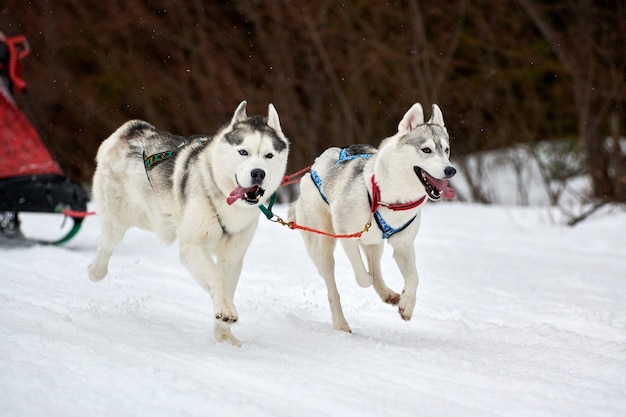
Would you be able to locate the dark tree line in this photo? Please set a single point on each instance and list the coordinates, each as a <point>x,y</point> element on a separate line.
<point>504,72</point>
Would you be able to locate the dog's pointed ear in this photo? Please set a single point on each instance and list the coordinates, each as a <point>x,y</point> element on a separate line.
<point>437,117</point>
<point>272,119</point>
<point>412,118</point>
<point>240,114</point>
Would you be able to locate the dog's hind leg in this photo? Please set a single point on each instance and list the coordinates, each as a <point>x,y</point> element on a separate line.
<point>312,211</point>
<point>321,251</point>
<point>351,248</point>
<point>373,254</point>
<point>112,234</point>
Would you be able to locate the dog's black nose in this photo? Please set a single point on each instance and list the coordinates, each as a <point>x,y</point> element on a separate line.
<point>449,171</point>
<point>257,176</point>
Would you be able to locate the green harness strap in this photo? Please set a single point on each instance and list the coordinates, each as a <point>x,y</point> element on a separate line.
<point>75,228</point>
<point>267,211</point>
<point>152,160</point>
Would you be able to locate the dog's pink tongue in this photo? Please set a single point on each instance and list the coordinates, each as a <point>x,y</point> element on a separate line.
<point>238,193</point>
<point>442,185</point>
<point>448,193</point>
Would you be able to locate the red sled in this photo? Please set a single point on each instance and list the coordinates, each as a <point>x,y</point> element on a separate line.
<point>30,179</point>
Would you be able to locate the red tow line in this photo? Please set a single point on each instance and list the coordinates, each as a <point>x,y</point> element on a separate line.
<point>295,177</point>
<point>292,179</point>
<point>77,214</point>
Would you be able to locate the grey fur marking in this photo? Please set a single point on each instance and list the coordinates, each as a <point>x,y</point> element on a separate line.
<point>190,158</point>
<point>418,137</point>
<point>251,124</point>
<point>137,128</point>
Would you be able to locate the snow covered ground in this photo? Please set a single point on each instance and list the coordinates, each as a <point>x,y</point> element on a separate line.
<point>517,315</point>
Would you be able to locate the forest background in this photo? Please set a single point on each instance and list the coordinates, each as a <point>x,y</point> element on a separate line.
<point>505,73</point>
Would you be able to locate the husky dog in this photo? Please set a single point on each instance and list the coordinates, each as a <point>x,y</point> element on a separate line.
<point>203,191</point>
<point>348,186</point>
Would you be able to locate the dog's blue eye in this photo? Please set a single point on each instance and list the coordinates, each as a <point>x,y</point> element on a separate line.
<point>243,152</point>
<point>426,150</point>
<point>269,155</point>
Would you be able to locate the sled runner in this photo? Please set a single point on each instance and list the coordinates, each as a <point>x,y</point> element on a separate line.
<point>30,179</point>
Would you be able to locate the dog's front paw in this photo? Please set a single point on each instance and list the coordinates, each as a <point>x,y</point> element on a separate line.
<point>392,298</point>
<point>226,314</point>
<point>406,306</point>
<point>226,318</point>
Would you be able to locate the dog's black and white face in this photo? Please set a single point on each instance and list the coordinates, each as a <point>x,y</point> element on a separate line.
<point>432,166</point>
<point>423,148</point>
<point>251,157</point>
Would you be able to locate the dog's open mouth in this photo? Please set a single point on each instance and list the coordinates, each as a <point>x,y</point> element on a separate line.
<point>250,195</point>
<point>435,188</point>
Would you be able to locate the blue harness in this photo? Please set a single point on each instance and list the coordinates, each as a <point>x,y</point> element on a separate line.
<point>384,227</point>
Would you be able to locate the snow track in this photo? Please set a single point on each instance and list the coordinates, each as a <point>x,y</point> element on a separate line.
<point>515,316</point>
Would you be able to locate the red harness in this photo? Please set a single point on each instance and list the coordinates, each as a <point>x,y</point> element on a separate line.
<point>376,203</point>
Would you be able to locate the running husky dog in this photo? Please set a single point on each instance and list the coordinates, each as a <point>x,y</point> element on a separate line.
<point>203,191</point>
<point>351,185</point>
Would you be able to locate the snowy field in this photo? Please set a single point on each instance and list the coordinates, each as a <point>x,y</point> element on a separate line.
<point>516,315</point>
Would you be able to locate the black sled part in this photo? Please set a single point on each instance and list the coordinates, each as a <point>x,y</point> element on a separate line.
<point>42,194</point>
